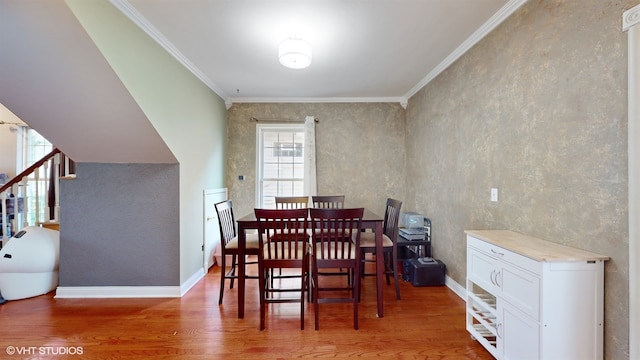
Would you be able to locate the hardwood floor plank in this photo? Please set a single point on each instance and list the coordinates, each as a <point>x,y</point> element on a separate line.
<point>428,323</point>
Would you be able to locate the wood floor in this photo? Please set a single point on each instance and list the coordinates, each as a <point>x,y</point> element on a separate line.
<point>428,323</point>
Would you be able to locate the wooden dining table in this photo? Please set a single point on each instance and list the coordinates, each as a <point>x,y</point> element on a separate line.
<point>370,220</point>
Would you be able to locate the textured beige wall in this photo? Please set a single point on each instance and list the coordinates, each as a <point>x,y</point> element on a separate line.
<point>537,109</point>
<point>360,150</point>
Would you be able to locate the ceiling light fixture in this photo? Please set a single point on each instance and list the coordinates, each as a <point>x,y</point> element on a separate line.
<point>294,53</point>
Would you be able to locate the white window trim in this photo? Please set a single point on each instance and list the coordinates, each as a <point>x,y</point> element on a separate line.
<point>260,128</point>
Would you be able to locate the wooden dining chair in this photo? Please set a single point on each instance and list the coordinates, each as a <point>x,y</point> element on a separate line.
<point>328,201</point>
<point>292,202</point>
<point>289,202</point>
<point>390,231</point>
<point>229,245</point>
<point>331,202</point>
<point>331,251</point>
<point>283,245</point>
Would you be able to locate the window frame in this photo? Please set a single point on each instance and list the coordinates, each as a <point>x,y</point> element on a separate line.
<point>32,147</point>
<point>260,131</point>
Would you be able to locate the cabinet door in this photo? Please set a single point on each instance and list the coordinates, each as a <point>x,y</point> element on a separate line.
<point>521,289</point>
<point>481,269</point>
<point>518,334</point>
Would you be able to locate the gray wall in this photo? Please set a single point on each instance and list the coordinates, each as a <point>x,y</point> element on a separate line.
<point>359,150</point>
<point>537,109</point>
<point>120,225</point>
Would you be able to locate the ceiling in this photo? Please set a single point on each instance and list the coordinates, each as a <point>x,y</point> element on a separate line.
<point>363,50</point>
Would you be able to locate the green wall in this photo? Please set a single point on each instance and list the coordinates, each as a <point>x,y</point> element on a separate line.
<point>189,117</point>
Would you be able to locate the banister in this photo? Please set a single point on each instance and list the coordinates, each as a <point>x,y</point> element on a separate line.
<point>29,170</point>
<point>45,187</point>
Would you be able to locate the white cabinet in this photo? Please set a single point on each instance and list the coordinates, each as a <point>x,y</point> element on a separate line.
<point>533,299</point>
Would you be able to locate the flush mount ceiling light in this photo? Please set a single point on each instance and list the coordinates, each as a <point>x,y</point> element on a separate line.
<point>294,53</point>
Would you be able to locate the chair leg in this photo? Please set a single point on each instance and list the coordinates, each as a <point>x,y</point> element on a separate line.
<point>391,268</point>
<point>309,287</point>
<point>316,310</point>
<point>360,274</point>
<point>234,262</point>
<point>223,274</point>
<point>363,254</point>
<point>388,259</point>
<point>395,275</point>
<point>356,297</point>
<point>303,285</point>
<point>394,259</point>
<point>262,288</point>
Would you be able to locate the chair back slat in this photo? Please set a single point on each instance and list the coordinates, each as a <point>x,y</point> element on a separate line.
<point>328,201</point>
<point>292,202</point>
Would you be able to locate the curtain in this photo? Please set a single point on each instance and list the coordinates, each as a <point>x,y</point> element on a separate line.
<point>310,185</point>
<point>51,196</point>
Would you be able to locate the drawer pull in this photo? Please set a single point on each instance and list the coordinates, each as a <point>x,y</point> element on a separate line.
<point>495,278</point>
<point>497,252</point>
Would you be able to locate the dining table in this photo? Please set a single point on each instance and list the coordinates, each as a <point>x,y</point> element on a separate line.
<point>370,220</point>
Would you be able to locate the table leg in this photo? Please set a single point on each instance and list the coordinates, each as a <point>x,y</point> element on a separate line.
<point>379,268</point>
<point>242,242</point>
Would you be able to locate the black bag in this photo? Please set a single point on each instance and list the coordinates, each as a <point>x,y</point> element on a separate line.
<point>424,272</point>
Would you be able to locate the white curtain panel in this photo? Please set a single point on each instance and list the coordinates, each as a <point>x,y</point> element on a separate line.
<point>310,186</point>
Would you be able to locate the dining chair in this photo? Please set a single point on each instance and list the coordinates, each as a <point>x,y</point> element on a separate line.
<point>330,251</point>
<point>283,245</point>
<point>289,202</point>
<point>390,230</point>
<point>229,245</point>
<point>328,201</point>
<point>292,202</point>
<point>331,202</point>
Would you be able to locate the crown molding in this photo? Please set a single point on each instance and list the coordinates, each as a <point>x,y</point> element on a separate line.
<point>128,10</point>
<point>630,18</point>
<point>134,15</point>
<point>497,18</point>
<point>401,100</point>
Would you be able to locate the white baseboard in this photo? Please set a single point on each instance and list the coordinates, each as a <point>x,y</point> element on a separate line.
<point>77,292</point>
<point>191,281</point>
<point>460,290</point>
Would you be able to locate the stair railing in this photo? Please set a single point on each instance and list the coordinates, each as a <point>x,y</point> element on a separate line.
<point>32,197</point>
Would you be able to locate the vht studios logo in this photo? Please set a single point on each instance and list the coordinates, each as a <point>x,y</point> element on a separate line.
<point>44,350</point>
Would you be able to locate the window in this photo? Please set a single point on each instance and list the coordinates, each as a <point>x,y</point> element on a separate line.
<point>287,149</point>
<point>280,163</point>
<point>33,148</point>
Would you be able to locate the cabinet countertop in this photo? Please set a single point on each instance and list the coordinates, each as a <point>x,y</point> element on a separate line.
<point>534,248</point>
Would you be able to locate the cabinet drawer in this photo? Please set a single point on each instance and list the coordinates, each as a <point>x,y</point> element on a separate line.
<point>505,255</point>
